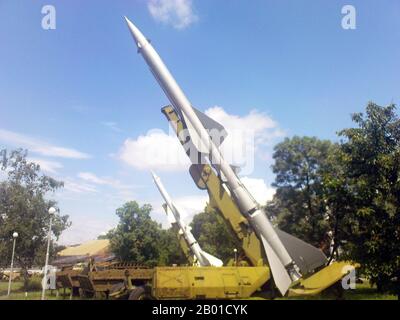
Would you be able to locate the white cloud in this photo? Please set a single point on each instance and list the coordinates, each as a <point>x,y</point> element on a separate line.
<point>78,187</point>
<point>188,206</point>
<point>38,146</point>
<point>154,151</point>
<point>254,121</point>
<point>47,165</point>
<point>178,13</point>
<point>125,192</point>
<point>90,177</point>
<point>247,135</point>
<point>258,189</point>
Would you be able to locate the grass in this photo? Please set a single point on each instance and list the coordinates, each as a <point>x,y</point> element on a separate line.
<point>18,293</point>
<point>362,292</point>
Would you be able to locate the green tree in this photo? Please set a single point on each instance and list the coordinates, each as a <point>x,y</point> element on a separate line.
<point>371,155</point>
<point>139,239</point>
<point>299,204</point>
<point>135,237</point>
<point>339,201</point>
<point>170,250</point>
<point>24,209</point>
<point>213,235</point>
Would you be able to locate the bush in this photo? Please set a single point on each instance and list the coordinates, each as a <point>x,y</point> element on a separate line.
<point>34,284</point>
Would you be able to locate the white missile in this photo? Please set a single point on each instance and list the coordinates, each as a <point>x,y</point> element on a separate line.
<point>203,258</point>
<point>283,267</point>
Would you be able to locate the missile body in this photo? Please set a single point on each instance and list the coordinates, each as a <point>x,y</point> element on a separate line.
<point>282,265</point>
<point>203,258</point>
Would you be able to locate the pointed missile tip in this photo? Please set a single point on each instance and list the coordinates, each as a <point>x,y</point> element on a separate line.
<point>139,38</point>
<point>128,22</point>
<point>153,175</point>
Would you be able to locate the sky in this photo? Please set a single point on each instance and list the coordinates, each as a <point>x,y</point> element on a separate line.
<point>85,105</point>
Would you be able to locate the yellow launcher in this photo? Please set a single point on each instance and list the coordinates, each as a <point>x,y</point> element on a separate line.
<point>207,282</point>
<point>322,279</point>
<point>221,200</point>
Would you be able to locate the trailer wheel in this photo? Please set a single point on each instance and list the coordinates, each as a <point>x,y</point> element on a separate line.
<point>119,291</point>
<point>117,287</point>
<point>85,294</point>
<point>140,293</point>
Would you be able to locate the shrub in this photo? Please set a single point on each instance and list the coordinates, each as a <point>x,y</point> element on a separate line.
<point>34,284</point>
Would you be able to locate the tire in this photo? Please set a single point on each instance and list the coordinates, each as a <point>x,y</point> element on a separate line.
<point>86,294</point>
<point>140,293</point>
<point>117,287</point>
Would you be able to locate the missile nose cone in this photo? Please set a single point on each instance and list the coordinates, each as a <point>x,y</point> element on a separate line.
<point>139,38</point>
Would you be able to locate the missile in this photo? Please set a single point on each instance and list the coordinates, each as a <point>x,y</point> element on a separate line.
<point>283,267</point>
<point>203,258</point>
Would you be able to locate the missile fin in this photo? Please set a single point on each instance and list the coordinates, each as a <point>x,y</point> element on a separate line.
<point>170,217</point>
<point>216,130</point>
<point>194,137</point>
<point>281,276</point>
<point>176,211</point>
<point>306,256</point>
<point>213,261</point>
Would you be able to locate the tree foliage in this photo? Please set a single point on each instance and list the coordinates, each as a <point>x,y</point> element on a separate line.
<point>139,239</point>
<point>350,190</point>
<point>170,250</point>
<point>371,156</point>
<point>213,235</point>
<point>24,209</point>
<point>299,203</point>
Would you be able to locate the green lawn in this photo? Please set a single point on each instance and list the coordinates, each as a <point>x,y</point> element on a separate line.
<point>365,292</point>
<point>362,292</point>
<point>17,292</point>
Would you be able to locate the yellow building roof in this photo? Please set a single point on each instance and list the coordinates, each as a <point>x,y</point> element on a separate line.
<point>91,248</point>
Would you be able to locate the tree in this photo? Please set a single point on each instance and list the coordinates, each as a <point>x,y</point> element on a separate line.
<point>170,250</point>
<point>139,239</point>
<point>371,155</point>
<point>213,235</point>
<point>135,237</point>
<point>299,204</point>
<point>24,209</point>
<point>351,189</point>
<point>339,201</point>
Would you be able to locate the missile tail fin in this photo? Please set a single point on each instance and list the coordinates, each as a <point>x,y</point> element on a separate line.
<point>307,257</point>
<point>176,211</point>
<point>281,276</point>
<point>194,137</point>
<point>170,216</point>
<point>216,130</point>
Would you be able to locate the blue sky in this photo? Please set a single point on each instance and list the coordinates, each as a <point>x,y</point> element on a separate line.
<point>83,100</point>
